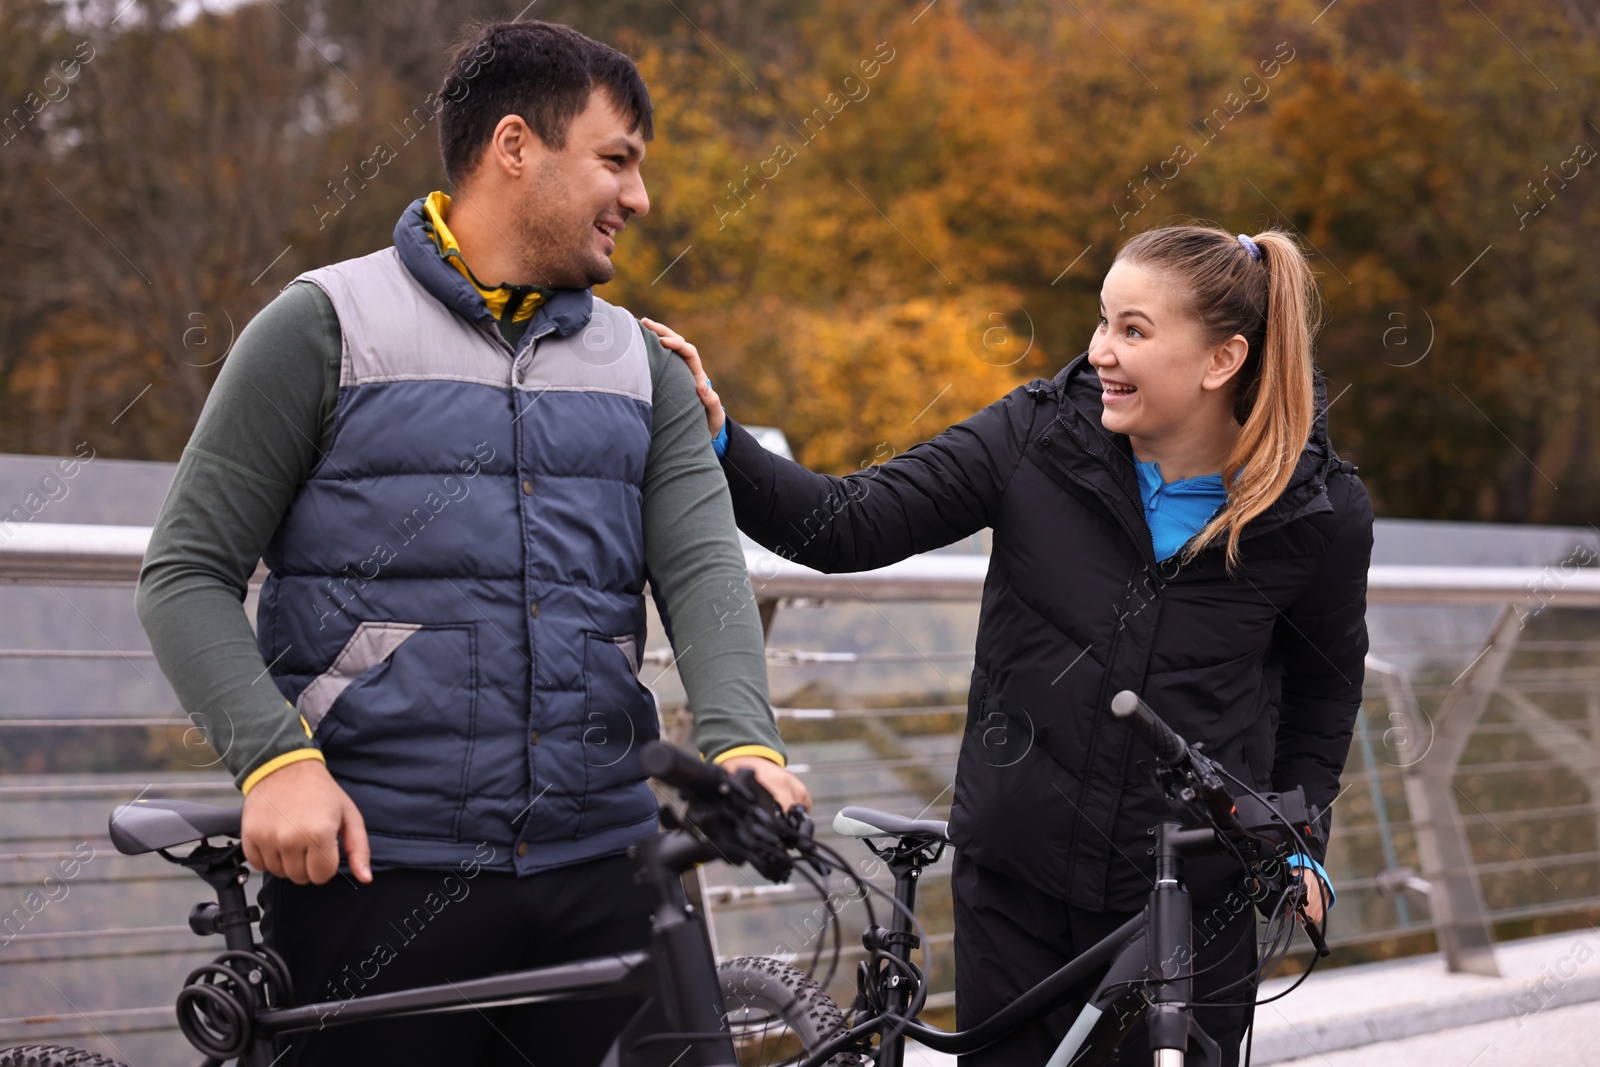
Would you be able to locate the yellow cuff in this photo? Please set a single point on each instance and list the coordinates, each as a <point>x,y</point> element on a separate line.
<point>276,762</point>
<point>752,750</point>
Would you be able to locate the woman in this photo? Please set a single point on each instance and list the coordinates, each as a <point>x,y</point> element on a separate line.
<point>1168,517</point>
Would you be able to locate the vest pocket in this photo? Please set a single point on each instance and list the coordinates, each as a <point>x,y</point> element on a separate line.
<point>394,716</point>
<point>619,716</point>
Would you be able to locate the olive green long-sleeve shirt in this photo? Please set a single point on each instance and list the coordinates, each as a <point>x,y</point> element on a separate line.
<point>266,424</point>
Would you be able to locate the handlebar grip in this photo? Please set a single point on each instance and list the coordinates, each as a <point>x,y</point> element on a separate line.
<point>685,773</point>
<point>1314,932</point>
<point>1170,749</point>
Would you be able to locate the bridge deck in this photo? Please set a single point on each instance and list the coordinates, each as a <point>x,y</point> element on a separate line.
<point>1544,1008</point>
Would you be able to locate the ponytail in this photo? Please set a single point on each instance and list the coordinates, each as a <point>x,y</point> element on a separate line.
<point>1267,294</point>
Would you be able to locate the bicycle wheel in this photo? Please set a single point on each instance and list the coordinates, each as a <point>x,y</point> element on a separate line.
<point>778,1013</point>
<point>54,1056</point>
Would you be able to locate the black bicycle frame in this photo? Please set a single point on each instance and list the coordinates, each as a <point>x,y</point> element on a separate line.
<point>1147,961</point>
<point>678,971</point>
<point>629,972</point>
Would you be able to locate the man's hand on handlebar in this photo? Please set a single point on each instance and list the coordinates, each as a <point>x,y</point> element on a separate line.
<point>294,820</point>
<point>783,786</point>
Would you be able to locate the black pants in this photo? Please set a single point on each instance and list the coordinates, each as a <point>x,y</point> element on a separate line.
<point>1009,937</point>
<point>415,927</point>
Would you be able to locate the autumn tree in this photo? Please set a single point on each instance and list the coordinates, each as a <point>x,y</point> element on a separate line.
<point>873,217</point>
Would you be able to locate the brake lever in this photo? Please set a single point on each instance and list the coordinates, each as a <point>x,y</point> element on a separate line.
<point>799,819</point>
<point>1313,929</point>
<point>1314,932</point>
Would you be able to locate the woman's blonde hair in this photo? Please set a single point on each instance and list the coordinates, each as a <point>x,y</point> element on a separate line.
<point>1269,296</point>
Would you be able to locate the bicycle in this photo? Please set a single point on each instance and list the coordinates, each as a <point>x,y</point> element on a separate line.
<point>697,1012</point>
<point>233,1007</point>
<point>1144,959</point>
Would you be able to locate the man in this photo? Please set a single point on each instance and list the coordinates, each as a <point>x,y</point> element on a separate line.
<point>461,467</point>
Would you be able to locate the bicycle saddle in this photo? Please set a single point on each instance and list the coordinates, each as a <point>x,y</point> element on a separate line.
<point>146,825</point>
<point>865,822</point>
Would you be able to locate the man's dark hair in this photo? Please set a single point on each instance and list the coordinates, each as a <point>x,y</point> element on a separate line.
<point>538,70</point>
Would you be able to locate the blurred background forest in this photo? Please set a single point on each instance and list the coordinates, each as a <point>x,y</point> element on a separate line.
<point>873,216</point>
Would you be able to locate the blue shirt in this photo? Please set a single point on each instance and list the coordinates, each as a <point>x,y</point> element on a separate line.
<point>1176,511</point>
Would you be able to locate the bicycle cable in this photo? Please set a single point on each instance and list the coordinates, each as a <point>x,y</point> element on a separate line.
<point>1249,935</point>
<point>834,924</point>
<point>1277,944</point>
<point>1276,996</point>
<point>837,863</point>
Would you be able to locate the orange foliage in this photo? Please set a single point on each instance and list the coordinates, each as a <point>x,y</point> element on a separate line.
<point>874,217</point>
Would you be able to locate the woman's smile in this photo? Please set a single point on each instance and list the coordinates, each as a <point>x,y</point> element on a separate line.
<point>1115,392</point>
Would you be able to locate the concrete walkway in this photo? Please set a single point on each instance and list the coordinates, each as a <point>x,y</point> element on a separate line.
<point>1557,1036</point>
<point>1545,1008</point>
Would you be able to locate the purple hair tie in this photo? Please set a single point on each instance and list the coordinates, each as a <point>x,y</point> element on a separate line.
<point>1250,246</point>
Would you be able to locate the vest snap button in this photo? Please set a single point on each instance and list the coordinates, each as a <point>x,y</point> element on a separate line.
<point>533,609</point>
<point>533,737</point>
<point>1044,442</point>
<point>522,848</point>
<point>527,487</point>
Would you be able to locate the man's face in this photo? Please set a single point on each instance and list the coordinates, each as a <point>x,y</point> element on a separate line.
<point>580,197</point>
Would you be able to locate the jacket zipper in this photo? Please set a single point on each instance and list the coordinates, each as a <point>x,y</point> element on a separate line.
<point>1147,547</point>
<point>1094,738</point>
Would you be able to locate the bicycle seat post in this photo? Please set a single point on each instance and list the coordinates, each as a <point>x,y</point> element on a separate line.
<point>223,869</point>
<point>906,859</point>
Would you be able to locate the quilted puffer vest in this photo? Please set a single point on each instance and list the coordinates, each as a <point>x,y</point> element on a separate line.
<point>455,600</point>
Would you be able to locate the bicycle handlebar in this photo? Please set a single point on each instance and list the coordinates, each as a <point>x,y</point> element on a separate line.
<point>1257,827</point>
<point>690,776</point>
<point>731,813</point>
<point>1170,749</point>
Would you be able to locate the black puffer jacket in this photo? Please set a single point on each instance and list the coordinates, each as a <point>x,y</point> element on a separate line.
<point>1265,667</point>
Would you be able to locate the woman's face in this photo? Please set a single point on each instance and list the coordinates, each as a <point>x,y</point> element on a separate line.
<point>1160,375</point>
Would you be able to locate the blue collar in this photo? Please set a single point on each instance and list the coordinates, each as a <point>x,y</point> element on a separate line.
<point>1150,483</point>
<point>1176,511</point>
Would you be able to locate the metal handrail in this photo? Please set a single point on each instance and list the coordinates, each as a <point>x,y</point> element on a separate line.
<point>112,555</point>
<point>57,554</point>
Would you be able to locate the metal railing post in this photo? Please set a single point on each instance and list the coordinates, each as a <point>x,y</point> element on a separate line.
<point>1460,917</point>
<point>1380,808</point>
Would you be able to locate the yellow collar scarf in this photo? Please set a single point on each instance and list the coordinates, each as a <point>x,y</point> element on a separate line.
<point>495,296</point>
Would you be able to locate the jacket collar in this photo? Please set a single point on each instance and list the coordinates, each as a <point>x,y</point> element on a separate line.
<point>565,312</point>
<point>1079,389</point>
<point>526,298</point>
